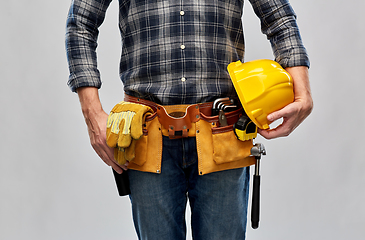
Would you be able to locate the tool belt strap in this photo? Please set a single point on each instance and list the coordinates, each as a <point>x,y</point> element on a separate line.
<point>179,120</point>
<point>218,148</point>
<point>205,108</point>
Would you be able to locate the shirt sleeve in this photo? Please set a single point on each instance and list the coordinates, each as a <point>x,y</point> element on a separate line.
<point>83,21</point>
<point>278,23</point>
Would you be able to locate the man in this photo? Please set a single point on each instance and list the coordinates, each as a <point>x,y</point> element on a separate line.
<point>177,52</point>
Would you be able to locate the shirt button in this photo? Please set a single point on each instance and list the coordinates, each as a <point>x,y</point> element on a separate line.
<point>183,79</point>
<point>182,46</point>
<point>182,13</point>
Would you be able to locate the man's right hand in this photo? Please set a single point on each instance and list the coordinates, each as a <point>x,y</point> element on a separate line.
<point>96,119</point>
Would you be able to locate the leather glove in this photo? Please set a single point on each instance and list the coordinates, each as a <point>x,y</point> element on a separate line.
<point>122,155</point>
<point>124,126</point>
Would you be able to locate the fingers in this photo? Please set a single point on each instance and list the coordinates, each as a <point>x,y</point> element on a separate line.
<point>109,159</point>
<point>96,121</point>
<point>291,116</point>
<point>119,169</point>
<point>97,134</point>
<point>106,154</point>
<point>283,130</point>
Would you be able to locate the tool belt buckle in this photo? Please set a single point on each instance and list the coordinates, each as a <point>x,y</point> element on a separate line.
<point>178,123</point>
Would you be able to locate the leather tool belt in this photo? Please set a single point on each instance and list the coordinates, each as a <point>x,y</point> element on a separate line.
<point>217,147</point>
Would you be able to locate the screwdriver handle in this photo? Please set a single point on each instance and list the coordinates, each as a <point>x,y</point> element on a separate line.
<point>255,208</point>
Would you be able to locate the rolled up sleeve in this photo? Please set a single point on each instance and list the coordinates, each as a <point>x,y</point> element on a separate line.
<point>83,21</point>
<point>278,23</point>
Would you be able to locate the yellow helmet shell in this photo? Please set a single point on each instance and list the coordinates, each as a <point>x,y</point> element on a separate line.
<point>263,87</point>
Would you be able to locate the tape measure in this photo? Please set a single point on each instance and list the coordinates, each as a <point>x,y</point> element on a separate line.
<point>245,129</point>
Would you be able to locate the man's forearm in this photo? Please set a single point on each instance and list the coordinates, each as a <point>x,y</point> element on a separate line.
<point>302,90</point>
<point>89,100</point>
<point>96,119</point>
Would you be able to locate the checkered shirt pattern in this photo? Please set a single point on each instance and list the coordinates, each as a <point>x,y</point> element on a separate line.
<point>177,50</point>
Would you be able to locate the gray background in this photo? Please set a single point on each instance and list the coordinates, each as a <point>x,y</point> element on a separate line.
<point>53,186</point>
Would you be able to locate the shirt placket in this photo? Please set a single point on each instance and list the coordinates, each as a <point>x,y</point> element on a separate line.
<point>182,43</point>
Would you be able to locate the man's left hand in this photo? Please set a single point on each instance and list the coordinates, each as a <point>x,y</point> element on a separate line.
<point>295,113</point>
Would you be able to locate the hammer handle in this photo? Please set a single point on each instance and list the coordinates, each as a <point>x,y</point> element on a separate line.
<point>255,211</point>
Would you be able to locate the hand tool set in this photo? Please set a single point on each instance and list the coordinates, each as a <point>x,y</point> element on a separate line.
<point>244,130</point>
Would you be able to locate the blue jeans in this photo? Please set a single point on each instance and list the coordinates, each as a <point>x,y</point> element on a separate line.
<point>218,200</point>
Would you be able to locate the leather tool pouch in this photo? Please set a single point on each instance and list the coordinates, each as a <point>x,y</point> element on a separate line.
<point>218,148</point>
<point>149,147</point>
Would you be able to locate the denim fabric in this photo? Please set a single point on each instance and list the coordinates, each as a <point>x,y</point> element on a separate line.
<point>218,200</point>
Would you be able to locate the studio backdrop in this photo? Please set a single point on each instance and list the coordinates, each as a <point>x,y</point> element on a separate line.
<point>53,185</point>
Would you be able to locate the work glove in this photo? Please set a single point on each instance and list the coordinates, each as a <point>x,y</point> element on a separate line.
<point>124,127</point>
<point>122,155</point>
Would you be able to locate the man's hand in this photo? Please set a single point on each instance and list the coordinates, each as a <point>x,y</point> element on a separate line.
<point>96,118</point>
<point>294,113</point>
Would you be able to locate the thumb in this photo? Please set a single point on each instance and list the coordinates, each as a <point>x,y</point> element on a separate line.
<point>272,117</point>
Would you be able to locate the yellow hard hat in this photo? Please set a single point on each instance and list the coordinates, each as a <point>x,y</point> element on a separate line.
<point>263,87</point>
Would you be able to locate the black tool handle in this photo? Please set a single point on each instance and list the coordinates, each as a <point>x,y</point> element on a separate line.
<point>255,211</point>
<point>122,182</point>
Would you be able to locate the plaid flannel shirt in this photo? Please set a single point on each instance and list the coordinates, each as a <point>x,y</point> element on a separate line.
<point>177,51</point>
